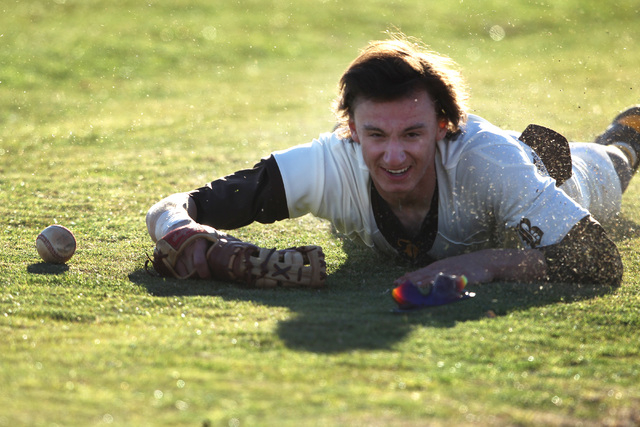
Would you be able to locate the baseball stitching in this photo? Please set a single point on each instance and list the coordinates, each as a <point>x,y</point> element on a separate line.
<point>50,247</point>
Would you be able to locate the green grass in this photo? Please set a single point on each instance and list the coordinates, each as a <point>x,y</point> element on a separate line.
<point>108,106</point>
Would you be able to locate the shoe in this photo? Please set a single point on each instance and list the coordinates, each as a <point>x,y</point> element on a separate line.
<point>624,133</point>
<point>444,290</point>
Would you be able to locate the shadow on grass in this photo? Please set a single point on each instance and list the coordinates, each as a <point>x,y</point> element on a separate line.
<point>354,311</point>
<point>622,229</point>
<point>47,268</point>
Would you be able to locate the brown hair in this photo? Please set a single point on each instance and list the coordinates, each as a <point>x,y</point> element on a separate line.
<point>390,69</point>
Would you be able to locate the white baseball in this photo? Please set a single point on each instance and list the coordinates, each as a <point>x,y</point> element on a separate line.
<point>56,244</point>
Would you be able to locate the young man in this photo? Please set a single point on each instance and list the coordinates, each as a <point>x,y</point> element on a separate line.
<point>409,173</point>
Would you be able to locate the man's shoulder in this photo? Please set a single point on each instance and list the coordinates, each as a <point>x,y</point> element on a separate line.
<point>328,154</point>
<point>325,141</point>
<point>477,135</point>
<point>478,131</point>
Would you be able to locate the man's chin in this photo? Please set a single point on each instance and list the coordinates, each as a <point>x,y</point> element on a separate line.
<point>393,189</point>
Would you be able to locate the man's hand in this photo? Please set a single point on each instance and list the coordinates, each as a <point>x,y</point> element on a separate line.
<point>194,255</point>
<point>526,265</point>
<point>198,251</point>
<point>182,253</point>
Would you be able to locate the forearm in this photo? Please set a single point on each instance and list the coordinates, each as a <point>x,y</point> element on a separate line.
<point>509,265</point>
<point>170,213</point>
<point>243,197</point>
<point>585,255</point>
<point>231,202</point>
<point>488,265</point>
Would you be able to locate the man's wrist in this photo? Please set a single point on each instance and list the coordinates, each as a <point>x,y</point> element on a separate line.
<point>166,216</point>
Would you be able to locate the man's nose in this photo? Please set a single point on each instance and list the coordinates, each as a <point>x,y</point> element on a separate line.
<point>394,153</point>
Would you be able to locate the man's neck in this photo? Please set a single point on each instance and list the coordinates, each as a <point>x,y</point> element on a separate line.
<point>412,211</point>
<point>411,217</point>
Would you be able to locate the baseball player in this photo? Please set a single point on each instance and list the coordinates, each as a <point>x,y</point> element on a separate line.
<point>409,173</point>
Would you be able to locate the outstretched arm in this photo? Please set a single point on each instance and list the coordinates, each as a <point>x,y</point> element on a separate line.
<point>488,265</point>
<point>231,202</point>
<point>585,255</point>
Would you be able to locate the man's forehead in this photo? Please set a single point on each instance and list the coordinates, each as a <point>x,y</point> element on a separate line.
<point>413,126</point>
<point>416,96</point>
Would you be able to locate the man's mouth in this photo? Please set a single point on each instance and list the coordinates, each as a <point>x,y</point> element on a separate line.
<point>397,171</point>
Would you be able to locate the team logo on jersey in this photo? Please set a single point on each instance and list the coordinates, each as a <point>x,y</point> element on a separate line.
<point>530,235</point>
<point>408,248</point>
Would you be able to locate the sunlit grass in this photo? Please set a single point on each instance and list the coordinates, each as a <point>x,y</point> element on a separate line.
<point>108,106</point>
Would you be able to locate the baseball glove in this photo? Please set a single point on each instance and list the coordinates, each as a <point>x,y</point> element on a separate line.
<point>231,259</point>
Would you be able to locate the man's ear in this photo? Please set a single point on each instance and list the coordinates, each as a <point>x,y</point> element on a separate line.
<point>354,133</point>
<point>442,129</point>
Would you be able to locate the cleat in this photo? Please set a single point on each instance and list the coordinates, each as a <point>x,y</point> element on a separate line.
<point>624,133</point>
<point>444,290</point>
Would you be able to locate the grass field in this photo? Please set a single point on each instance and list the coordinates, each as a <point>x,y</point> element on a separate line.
<point>108,106</point>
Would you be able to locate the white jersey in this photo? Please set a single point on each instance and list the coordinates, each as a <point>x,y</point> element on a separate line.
<point>489,185</point>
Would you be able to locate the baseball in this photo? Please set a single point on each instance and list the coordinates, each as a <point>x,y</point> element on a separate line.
<point>56,244</point>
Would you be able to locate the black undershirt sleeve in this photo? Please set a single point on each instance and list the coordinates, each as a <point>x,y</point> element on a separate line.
<point>243,197</point>
<point>585,255</point>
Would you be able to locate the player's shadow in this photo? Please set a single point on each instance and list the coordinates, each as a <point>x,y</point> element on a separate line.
<point>622,229</point>
<point>359,314</point>
<point>354,311</point>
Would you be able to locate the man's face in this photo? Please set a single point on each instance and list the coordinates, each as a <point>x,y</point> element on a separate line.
<point>398,140</point>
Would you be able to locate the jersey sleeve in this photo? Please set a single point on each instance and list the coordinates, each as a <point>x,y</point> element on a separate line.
<point>501,178</point>
<point>585,255</point>
<point>243,197</point>
<point>329,179</point>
